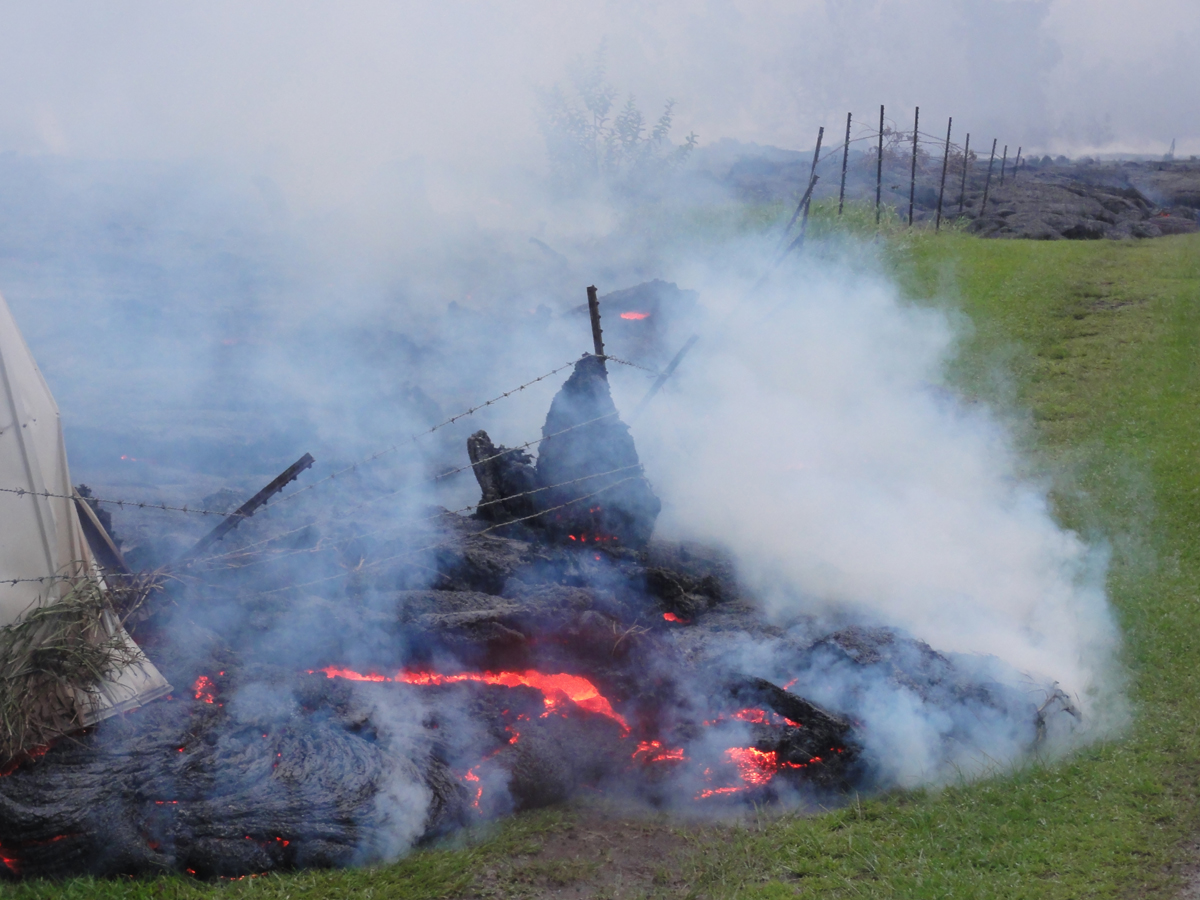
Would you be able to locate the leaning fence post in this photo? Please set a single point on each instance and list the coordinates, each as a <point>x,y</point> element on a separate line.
<point>945,162</point>
<point>802,206</point>
<point>1017,164</point>
<point>962,190</point>
<point>1003,160</point>
<point>879,167</point>
<point>816,153</point>
<point>845,160</point>
<point>597,334</point>
<point>988,184</point>
<point>912,184</point>
<point>812,176</point>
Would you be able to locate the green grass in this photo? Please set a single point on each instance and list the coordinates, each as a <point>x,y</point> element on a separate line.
<point>1096,343</point>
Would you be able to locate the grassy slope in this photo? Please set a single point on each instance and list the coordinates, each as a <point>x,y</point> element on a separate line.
<point>1101,339</point>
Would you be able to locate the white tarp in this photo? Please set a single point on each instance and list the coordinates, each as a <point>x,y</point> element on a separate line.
<point>40,536</point>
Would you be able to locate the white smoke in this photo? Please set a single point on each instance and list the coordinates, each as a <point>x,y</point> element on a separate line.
<point>814,435</point>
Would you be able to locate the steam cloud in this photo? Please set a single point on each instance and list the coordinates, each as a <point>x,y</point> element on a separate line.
<point>816,439</point>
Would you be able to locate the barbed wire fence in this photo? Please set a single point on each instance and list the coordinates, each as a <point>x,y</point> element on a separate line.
<point>890,144</point>
<point>332,477</point>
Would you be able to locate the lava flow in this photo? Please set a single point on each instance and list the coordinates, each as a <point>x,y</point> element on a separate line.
<point>555,688</point>
<point>755,768</point>
<point>755,717</point>
<point>653,751</point>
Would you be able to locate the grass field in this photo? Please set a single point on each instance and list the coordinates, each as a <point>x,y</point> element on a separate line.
<point>1098,345</point>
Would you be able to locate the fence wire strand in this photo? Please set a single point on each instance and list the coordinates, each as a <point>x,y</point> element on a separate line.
<point>378,497</point>
<point>145,504</point>
<point>442,543</point>
<point>402,523</point>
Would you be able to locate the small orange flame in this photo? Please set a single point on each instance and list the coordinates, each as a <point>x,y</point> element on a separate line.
<point>635,316</point>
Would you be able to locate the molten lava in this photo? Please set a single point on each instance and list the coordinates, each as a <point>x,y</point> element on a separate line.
<point>205,689</point>
<point>652,751</point>
<point>556,689</point>
<point>755,717</point>
<point>23,757</point>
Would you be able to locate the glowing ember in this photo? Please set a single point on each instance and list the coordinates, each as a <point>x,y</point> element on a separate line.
<point>205,689</point>
<point>755,768</point>
<point>351,675</point>
<point>635,316</point>
<point>471,776</point>
<point>24,757</point>
<point>652,751</point>
<point>556,689</point>
<point>12,863</point>
<point>755,717</point>
<point>671,617</point>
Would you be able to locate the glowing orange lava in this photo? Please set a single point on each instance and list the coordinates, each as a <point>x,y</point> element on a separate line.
<point>755,768</point>
<point>556,689</point>
<point>652,751</point>
<point>23,757</point>
<point>635,316</point>
<point>205,689</point>
<point>755,717</point>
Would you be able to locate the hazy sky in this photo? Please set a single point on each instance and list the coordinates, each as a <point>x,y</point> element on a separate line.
<point>323,94</point>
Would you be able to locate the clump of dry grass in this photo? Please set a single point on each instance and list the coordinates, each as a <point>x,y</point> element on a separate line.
<point>56,657</point>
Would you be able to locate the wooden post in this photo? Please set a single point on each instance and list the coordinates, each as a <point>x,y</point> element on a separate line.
<point>879,167</point>
<point>816,153</point>
<point>912,184</point>
<point>802,206</point>
<point>247,509</point>
<point>812,181</point>
<point>845,160</point>
<point>988,184</point>
<point>594,312</point>
<point>945,162</point>
<point>662,379</point>
<point>962,190</point>
<point>1003,160</point>
<point>1017,164</point>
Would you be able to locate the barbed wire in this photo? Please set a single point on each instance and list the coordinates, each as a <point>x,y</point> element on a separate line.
<point>137,504</point>
<point>412,439</point>
<point>396,525</point>
<point>378,497</point>
<point>41,578</point>
<point>145,504</point>
<point>626,362</point>
<point>524,446</point>
<point>442,543</point>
